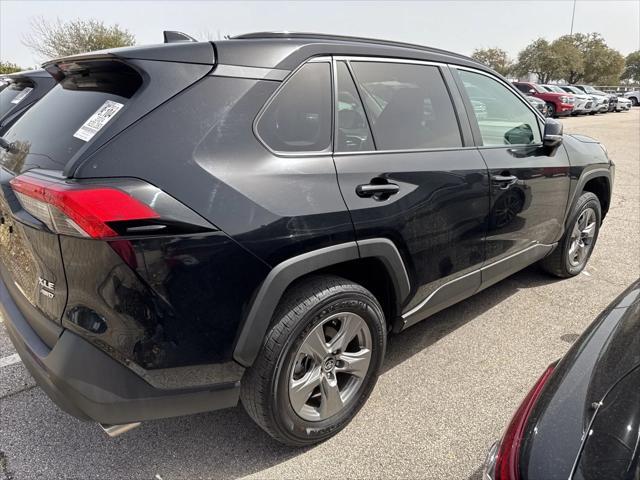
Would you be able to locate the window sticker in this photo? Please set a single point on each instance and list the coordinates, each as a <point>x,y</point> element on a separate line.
<point>98,120</point>
<point>21,96</point>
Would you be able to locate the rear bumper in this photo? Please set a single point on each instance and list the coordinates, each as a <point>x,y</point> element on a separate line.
<point>88,384</point>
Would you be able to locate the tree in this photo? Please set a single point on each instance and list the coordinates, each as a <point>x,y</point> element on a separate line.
<point>632,67</point>
<point>538,58</point>
<point>495,58</point>
<point>8,67</point>
<point>59,39</point>
<point>601,64</point>
<point>570,57</point>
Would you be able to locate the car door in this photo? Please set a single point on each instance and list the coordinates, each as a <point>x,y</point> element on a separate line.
<point>408,172</point>
<point>529,187</point>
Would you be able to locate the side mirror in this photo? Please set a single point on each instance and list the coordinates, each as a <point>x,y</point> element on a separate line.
<point>552,135</point>
<point>531,91</point>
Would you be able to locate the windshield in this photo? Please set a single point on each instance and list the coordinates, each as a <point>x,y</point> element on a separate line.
<point>555,88</point>
<point>13,94</point>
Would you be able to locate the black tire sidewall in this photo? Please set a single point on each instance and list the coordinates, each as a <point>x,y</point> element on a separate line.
<point>586,200</point>
<point>290,425</point>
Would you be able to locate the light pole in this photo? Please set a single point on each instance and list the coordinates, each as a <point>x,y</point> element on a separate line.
<point>573,16</point>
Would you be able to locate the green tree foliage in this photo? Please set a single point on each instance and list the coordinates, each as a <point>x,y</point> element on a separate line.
<point>59,39</point>
<point>495,58</point>
<point>632,67</point>
<point>574,58</point>
<point>538,58</point>
<point>570,59</point>
<point>8,67</point>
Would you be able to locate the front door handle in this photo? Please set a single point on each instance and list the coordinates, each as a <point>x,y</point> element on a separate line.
<point>380,191</point>
<point>504,181</point>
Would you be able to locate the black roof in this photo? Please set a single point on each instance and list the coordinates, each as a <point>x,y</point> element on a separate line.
<point>286,50</point>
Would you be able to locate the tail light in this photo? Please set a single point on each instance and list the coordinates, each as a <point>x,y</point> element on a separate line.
<point>508,455</point>
<point>80,210</point>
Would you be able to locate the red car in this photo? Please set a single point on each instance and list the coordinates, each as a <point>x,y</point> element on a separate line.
<point>558,104</point>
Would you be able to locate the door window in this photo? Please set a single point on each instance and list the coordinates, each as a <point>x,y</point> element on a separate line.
<point>503,118</point>
<point>353,133</point>
<point>299,117</point>
<point>408,106</point>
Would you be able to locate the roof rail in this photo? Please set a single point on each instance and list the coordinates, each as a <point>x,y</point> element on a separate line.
<point>171,36</point>
<point>347,38</point>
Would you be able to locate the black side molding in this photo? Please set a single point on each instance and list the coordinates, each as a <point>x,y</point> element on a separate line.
<point>282,275</point>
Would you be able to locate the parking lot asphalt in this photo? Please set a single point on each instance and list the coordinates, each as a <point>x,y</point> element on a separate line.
<point>449,385</point>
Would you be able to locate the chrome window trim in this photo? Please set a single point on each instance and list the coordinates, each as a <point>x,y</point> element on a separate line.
<point>328,151</point>
<point>256,73</point>
<point>519,96</point>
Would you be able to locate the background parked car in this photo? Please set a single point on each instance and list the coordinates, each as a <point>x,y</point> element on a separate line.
<point>558,104</point>
<point>612,98</point>
<point>634,96</point>
<point>581,420</point>
<point>583,102</point>
<point>623,104</point>
<point>541,105</point>
<point>598,102</point>
<point>22,90</point>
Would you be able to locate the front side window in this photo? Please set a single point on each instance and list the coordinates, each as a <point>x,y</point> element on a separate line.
<point>408,106</point>
<point>505,119</point>
<point>299,117</point>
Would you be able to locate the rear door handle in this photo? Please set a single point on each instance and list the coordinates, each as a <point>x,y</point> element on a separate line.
<point>377,191</point>
<point>504,181</point>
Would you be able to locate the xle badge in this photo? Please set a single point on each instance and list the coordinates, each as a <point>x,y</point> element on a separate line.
<point>46,284</point>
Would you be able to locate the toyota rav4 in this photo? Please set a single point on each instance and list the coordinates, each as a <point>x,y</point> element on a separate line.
<point>191,224</point>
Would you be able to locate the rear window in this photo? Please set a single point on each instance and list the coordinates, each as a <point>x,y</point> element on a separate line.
<point>70,115</point>
<point>14,94</point>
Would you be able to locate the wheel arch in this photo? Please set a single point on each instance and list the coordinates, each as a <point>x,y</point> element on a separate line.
<point>600,186</point>
<point>599,182</point>
<point>350,260</point>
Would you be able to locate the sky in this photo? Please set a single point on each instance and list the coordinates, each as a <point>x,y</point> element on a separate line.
<point>459,26</point>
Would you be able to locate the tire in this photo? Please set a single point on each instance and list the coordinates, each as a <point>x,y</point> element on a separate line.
<point>634,101</point>
<point>551,110</point>
<point>567,261</point>
<point>288,357</point>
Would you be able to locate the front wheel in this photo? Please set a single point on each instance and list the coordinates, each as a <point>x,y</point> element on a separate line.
<point>551,110</point>
<point>319,361</point>
<point>575,248</point>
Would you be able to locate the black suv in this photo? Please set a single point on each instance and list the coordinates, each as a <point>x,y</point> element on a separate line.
<point>190,224</point>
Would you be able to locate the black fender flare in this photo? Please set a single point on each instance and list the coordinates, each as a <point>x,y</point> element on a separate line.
<point>604,172</point>
<point>264,303</point>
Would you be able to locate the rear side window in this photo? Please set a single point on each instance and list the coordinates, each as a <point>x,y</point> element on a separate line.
<point>408,106</point>
<point>353,133</point>
<point>50,133</point>
<point>14,94</point>
<point>298,119</point>
<point>503,118</point>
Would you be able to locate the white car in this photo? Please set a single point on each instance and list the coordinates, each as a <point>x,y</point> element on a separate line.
<point>623,105</point>
<point>634,97</point>
<point>595,103</point>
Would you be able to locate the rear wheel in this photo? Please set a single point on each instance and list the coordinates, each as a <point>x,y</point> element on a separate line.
<point>319,361</point>
<point>575,248</point>
<point>634,101</point>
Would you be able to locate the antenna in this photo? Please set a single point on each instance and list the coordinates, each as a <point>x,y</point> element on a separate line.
<point>171,36</point>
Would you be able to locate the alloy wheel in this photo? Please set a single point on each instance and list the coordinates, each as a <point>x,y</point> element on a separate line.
<point>330,366</point>
<point>582,235</point>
